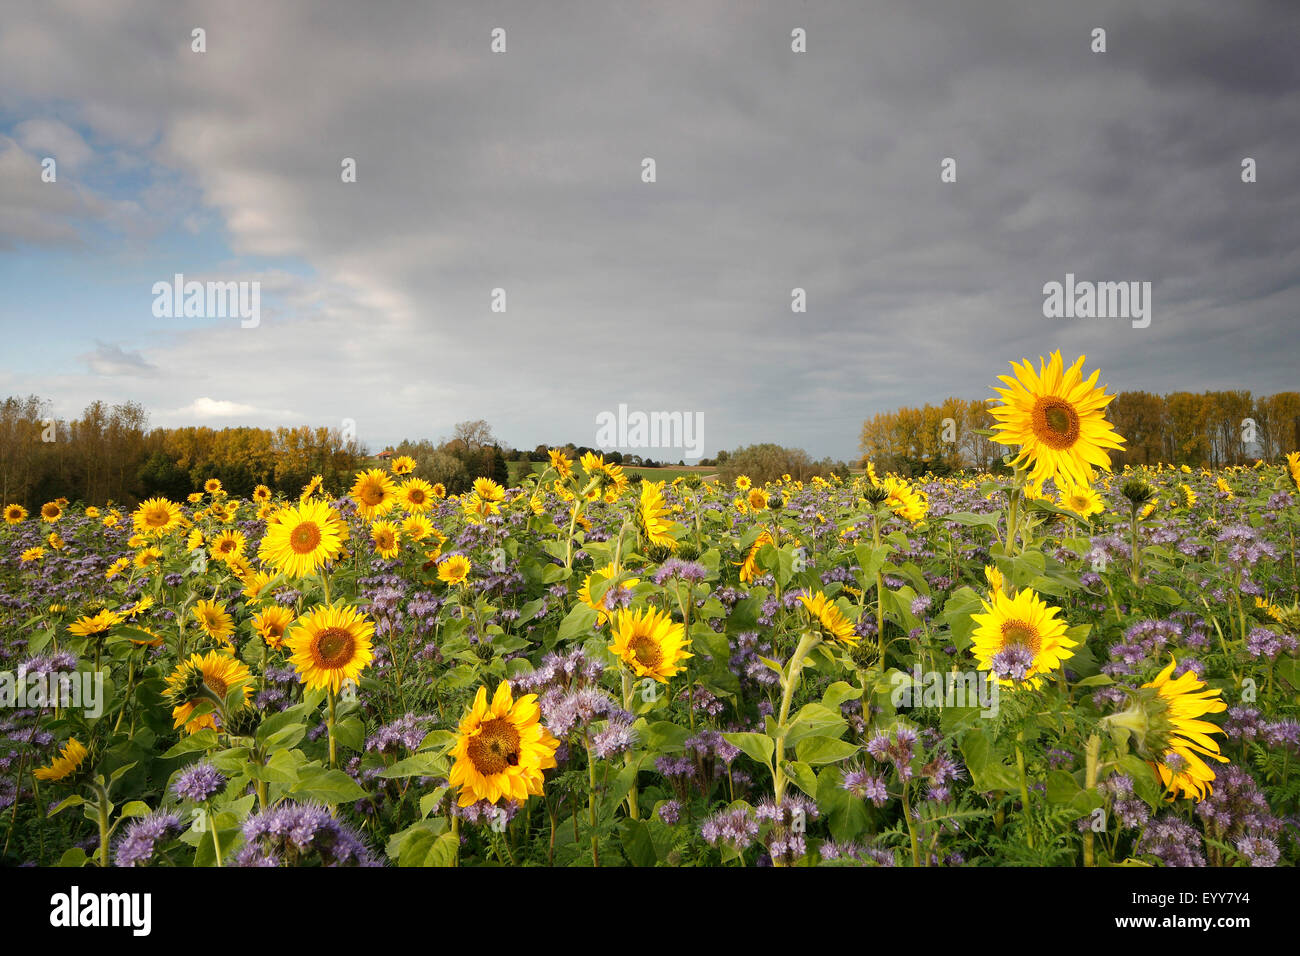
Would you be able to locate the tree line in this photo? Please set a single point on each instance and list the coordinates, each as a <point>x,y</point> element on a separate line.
<point>1212,429</point>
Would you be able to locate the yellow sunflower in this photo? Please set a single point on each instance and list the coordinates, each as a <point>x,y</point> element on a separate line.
<point>261,493</point>
<point>301,538</point>
<point>416,495</point>
<point>501,749</point>
<point>830,618</point>
<point>95,625</point>
<point>403,465</point>
<point>374,493</point>
<point>208,676</point>
<point>904,500</point>
<point>271,624</point>
<point>650,643</point>
<point>1081,499</point>
<point>157,516</point>
<point>212,486</point>
<point>1020,637</point>
<point>658,528</point>
<point>560,462</point>
<point>148,558</point>
<point>31,554</point>
<point>417,527</point>
<point>311,487</point>
<point>214,621</point>
<point>228,546</point>
<point>757,499</point>
<point>601,608</point>
<point>330,644</point>
<point>453,569</point>
<point>51,511</point>
<point>386,538</point>
<point>1187,698</point>
<point>749,567</point>
<point>15,514</point>
<point>1056,417</point>
<point>69,760</point>
<point>117,567</point>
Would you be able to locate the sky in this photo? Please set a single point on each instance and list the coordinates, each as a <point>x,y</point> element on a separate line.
<point>523,171</point>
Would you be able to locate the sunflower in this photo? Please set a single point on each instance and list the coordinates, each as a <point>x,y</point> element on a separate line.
<point>148,558</point>
<point>416,495</point>
<point>650,643</point>
<point>51,511</point>
<point>904,500</point>
<point>261,493</point>
<point>476,508</point>
<point>157,516</point>
<point>757,499</point>
<point>116,568</point>
<point>95,625</point>
<point>1056,417</point>
<point>1164,714</point>
<point>31,554</point>
<point>214,620</point>
<point>55,541</point>
<point>403,465</point>
<point>454,569</point>
<point>92,512</point>
<point>489,490</point>
<point>65,764</point>
<point>374,493</point>
<point>195,540</point>
<point>997,584</point>
<point>1020,637</point>
<point>386,538</point>
<point>1081,499</point>
<point>194,498</point>
<point>228,546</point>
<point>501,749</point>
<point>658,529</point>
<point>830,618</point>
<point>560,462</point>
<point>271,624</point>
<point>743,483</point>
<point>311,487</point>
<point>111,519</point>
<point>15,514</point>
<point>212,486</point>
<point>601,608</point>
<point>208,676</point>
<point>300,539</point>
<point>417,527</point>
<point>329,645</point>
<point>749,567</point>
<point>255,583</point>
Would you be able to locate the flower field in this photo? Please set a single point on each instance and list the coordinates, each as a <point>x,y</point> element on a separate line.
<point>1058,664</point>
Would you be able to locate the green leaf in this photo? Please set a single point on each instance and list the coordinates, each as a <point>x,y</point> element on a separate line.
<point>326,786</point>
<point>577,623</point>
<point>759,747</point>
<point>818,750</point>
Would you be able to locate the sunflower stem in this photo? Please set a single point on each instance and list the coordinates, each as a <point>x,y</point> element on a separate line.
<point>1093,754</point>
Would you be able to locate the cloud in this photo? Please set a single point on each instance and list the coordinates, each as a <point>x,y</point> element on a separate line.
<point>210,408</point>
<point>775,170</point>
<point>109,359</point>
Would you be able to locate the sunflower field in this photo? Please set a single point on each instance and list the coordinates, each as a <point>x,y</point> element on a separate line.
<point>1058,664</point>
